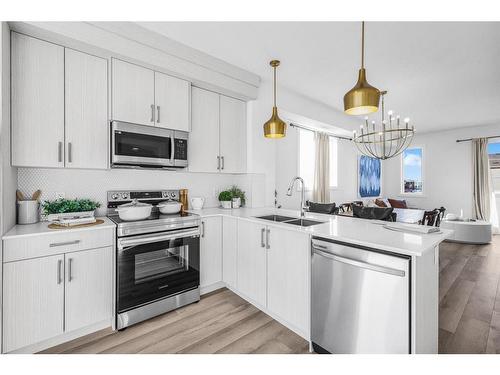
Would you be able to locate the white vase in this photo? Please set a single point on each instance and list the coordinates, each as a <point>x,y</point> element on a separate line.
<point>226,204</point>
<point>236,202</point>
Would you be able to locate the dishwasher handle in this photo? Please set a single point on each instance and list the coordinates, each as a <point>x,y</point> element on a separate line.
<point>357,263</point>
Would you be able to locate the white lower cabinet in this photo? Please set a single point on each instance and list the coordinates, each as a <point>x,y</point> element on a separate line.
<point>210,251</point>
<point>230,251</point>
<point>33,301</point>
<point>88,287</point>
<point>49,296</point>
<point>288,276</point>
<point>252,272</point>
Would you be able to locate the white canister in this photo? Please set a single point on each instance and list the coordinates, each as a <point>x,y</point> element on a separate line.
<point>197,203</point>
<point>28,212</point>
<point>236,202</point>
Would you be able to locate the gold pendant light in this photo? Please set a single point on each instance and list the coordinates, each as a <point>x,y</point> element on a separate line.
<point>362,98</point>
<point>274,127</point>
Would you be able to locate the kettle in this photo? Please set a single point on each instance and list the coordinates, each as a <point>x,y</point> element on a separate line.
<point>197,203</point>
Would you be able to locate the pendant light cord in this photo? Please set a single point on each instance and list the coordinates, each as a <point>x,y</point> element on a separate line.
<point>274,85</point>
<point>362,44</point>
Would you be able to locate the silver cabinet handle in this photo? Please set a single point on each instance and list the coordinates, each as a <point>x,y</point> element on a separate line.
<point>59,151</point>
<point>70,269</point>
<point>262,243</point>
<point>158,117</point>
<point>222,158</point>
<point>64,243</point>
<point>358,263</point>
<point>202,229</point>
<point>152,113</point>
<point>59,271</point>
<point>218,163</point>
<point>70,153</point>
<point>268,235</point>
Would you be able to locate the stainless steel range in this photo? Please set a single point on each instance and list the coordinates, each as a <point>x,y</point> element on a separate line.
<point>158,258</point>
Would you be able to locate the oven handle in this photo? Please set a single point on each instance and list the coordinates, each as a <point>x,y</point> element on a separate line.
<point>123,243</point>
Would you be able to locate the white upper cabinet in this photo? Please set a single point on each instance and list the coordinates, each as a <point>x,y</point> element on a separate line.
<point>203,143</point>
<point>251,261</point>
<point>217,142</point>
<point>133,93</point>
<point>233,135</point>
<point>37,100</point>
<point>173,102</point>
<point>86,110</point>
<point>143,96</point>
<point>210,251</point>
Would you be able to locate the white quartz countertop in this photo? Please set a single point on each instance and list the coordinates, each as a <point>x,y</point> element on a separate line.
<point>42,228</point>
<point>369,233</point>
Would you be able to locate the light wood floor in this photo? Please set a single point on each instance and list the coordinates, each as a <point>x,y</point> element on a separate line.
<point>221,322</point>
<point>469,311</point>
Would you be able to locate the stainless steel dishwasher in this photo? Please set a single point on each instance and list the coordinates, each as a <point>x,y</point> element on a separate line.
<point>360,299</point>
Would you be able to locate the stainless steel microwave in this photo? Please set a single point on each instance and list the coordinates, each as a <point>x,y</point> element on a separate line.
<point>135,145</point>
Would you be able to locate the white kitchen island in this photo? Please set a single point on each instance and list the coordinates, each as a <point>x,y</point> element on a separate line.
<point>269,263</point>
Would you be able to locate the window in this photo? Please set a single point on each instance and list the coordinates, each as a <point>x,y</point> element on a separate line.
<point>307,155</point>
<point>411,171</point>
<point>494,156</point>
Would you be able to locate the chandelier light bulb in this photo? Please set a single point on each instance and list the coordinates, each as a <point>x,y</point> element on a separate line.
<point>390,113</point>
<point>407,120</point>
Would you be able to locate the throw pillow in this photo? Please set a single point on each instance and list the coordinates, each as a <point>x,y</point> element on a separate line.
<point>398,203</point>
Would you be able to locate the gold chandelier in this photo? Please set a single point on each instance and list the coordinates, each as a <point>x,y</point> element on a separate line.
<point>274,127</point>
<point>387,140</point>
<point>362,98</point>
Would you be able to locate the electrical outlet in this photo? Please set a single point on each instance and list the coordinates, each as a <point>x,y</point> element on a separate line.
<point>60,195</point>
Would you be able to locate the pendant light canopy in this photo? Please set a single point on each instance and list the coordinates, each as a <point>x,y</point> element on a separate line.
<point>274,127</point>
<point>362,98</point>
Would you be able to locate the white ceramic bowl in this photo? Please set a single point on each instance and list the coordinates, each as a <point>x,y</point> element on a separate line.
<point>169,207</point>
<point>134,211</point>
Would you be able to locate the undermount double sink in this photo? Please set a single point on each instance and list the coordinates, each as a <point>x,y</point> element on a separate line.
<point>290,220</point>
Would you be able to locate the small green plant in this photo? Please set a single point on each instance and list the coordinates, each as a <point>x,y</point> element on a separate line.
<point>61,206</point>
<point>236,192</point>
<point>225,196</point>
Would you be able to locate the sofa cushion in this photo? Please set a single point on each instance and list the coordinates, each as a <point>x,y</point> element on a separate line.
<point>380,203</point>
<point>398,203</point>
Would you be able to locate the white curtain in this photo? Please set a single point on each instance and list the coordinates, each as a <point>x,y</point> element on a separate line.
<point>481,179</point>
<point>321,185</point>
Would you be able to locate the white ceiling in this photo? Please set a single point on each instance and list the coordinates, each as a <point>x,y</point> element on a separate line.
<point>442,75</point>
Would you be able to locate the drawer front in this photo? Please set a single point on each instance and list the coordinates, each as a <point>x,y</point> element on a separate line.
<point>57,243</point>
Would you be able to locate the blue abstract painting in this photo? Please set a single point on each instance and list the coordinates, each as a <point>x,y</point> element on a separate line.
<point>368,177</point>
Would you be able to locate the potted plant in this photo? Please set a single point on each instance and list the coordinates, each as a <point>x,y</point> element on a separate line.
<point>63,208</point>
<point>238,196</point>
<point>225,198</point>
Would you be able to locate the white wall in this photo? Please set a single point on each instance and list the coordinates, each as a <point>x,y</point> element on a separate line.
<point>277,157</point>
<point>81,183</point>
<point>447,169</point>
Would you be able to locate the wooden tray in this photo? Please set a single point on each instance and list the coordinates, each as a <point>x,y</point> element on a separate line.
<point>58,226</point>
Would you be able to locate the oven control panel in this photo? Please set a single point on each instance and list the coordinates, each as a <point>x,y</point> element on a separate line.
<point>152,196</point>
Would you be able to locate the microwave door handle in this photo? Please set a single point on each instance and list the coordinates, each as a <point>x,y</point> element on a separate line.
<point>172,148</point>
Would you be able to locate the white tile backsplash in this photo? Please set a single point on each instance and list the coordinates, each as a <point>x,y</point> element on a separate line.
<point>93,184</point>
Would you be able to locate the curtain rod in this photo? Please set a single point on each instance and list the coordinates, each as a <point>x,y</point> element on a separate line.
<point>470,139</point>
<point>319,130</point>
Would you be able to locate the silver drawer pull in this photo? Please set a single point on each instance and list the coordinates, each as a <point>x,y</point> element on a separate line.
<point>64,243</point>
<point>358,263</point>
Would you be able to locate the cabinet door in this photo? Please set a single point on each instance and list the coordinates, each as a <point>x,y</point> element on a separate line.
<point>37,73</point>
<point>86,114</point>
<point>89,282</point>
<point>173,102</point>
<point>33,301</point>
<point>230,251</point>
<point>233,135</point>
<point>251,262</point>
<point>203,144</point>
<point>133,93</point>
<point>211,251</point>
<point>288,259</point>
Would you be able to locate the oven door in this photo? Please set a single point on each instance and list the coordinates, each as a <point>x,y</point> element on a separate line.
<point>180,149</point>
<point>155,266</point>
<point>141,145</point>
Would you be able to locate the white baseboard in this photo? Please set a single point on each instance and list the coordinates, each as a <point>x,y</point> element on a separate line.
<point>210,288</point>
